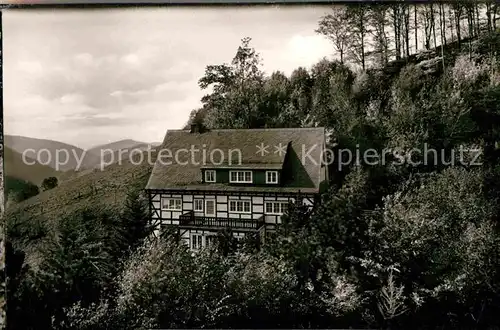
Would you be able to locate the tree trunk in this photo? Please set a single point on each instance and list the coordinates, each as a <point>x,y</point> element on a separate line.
<point>407,29</point>
<point>470,22</point>
<point>495,8</point>
<point>442,32</point>
<point>433,24</point>
<point>488,16</point>
<point>395,13</point>
<point>362,25</point>
<point>442,20</point>
<point>415,12</point>
<point>427,28</point>
<point>450,16</point>
<point>457,22</point>
<point>478,20</point>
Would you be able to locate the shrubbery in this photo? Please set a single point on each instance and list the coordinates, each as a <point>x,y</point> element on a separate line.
<point>390,245</point>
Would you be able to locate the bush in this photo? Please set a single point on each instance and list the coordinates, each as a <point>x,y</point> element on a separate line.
<point>49,183</point>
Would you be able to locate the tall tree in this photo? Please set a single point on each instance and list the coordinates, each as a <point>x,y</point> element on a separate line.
<point>135,219</point>
<point>396,27</point>
<point>406,26</point>
<point>237,89</point>
<point>334,27</point>
<point>442,31</point>
<point>275,99</point>
<point>358,18</point>
<point>426,15</point>
<point>415,24</point>
<point>458,9</point>
<point>379,21</point>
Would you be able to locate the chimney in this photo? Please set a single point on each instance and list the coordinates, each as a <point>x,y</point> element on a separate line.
<point>195,128</point>
<point>198,127</point>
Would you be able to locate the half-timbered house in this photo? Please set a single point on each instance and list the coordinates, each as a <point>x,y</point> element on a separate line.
<point>205,181</point>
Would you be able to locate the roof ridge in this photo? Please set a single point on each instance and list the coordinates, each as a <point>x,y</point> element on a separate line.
<point>253,129</point>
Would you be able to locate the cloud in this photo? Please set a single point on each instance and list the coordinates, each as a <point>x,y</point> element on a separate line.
<point>72,99</point>
<point>307,48</point>
<point>134,73</point>
<point>85,59</point>
<point>131,59</point>
<point>30,67</point>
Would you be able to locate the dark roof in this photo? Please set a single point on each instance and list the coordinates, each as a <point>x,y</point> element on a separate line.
<point>182,173</point>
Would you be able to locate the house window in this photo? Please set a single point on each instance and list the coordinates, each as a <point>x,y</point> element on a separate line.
<point>210,207</point>
<point>210,240</point>
<point>196,241</point>
<point>172,204</point>
<point>277,208</point>
<point>271,176</point>
<point>240,176</point>
<point>198,205</point>
<point>239,206</point>
<point>210,176</point>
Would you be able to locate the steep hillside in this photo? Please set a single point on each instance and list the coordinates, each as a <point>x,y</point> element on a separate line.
<point>14,166</point>
<point>96,189</point>
<point>106,188</point>
<point>52,148</point>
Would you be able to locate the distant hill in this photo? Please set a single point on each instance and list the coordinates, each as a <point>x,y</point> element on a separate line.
<point>116,151</point>
<point>21,144</point>
<point>91,157</point>
<point>115,146</point>
<point>15,167</point>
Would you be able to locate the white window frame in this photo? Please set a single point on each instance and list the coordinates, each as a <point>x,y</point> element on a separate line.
<point>271,173</point>
<point>165,204</point>
<point>200,200</point>
<point>237,177</point>
<point>194,238</point>
<point>211,172</point>
<point>206,208</point>
<point>243,203</point>
<point>282,207</point>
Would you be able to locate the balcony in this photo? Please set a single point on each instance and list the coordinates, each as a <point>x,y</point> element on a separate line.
<point>188,220</point>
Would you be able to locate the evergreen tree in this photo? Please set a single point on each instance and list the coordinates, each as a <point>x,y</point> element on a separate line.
<point>135,219</point>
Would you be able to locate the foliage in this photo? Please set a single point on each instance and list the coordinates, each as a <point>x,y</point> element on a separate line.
<point>393,244</point>
<point>49,183</point>
<point>135,218</point>
<point>18,190</point>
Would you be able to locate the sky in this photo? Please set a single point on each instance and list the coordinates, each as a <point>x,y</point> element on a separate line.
<point>94,76</point>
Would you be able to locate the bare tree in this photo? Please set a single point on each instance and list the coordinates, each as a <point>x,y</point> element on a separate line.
<point>379,21</point>
<point>415,23</point>
<point>433,23</point>
<point>396,26</point>
<point>458,9</point>
<point>405,11</point>
<point>334,27</point>
<point>357,17</point>
<point>426,15</point>
<point>442,31</point>
<point>491,14</point>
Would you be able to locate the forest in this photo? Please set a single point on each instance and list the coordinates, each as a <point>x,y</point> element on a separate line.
<point>390,246</point>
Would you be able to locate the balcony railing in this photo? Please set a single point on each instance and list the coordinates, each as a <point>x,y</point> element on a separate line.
<point>190,220</point>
